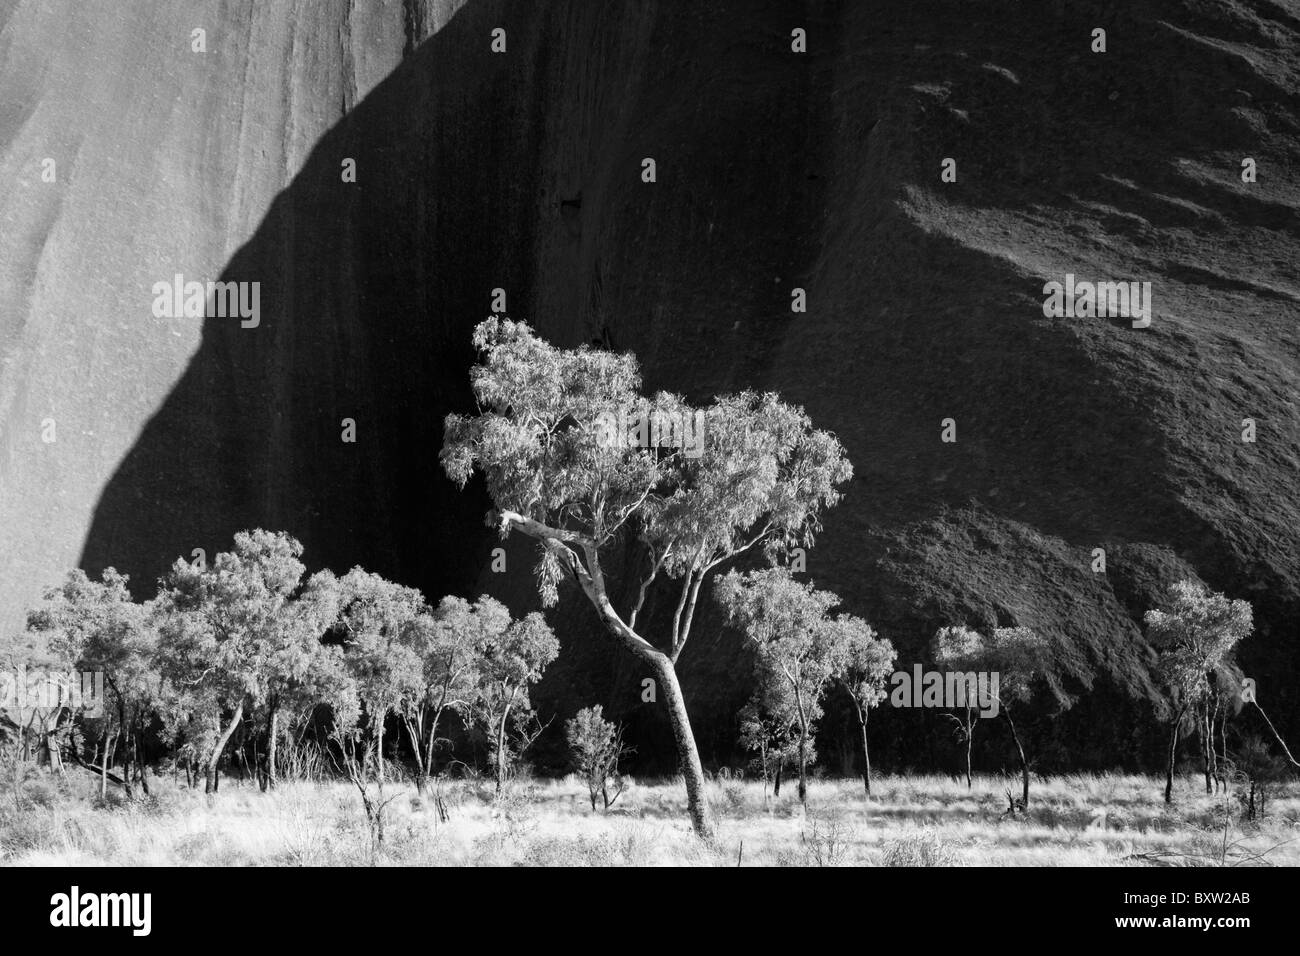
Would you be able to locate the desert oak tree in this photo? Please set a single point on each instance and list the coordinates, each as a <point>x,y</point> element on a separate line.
<point>1194,634</point>
<point>550,439</point>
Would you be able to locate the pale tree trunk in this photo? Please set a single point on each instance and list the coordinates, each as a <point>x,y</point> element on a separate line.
<point>125,737</point>
<point>1173,750</point>
<point>103,768</point>
<point>501,748</point>
<point>430,744</point>
<point>970,733</point>
<point>1024,764</point>
<point>1223,741</point>
<point>272,745</point>
<point>591,579</point>
<point>866,752</point>
<point>863,713</point>
<point>803,766</point>
<point>687,753</point>
<point>1206,744</point>
<point>210,770</point>
<point>803,746</point>
<point>415,731</point>
<point>137,745</point>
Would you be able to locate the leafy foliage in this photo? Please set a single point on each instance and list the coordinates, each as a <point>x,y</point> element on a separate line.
<point>1195,634</point>
<point>595,747</point>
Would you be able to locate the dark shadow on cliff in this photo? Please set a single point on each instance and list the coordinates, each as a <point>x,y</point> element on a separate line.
<point>775,171</point>
<point>368,293</point>
<point>475,172</point>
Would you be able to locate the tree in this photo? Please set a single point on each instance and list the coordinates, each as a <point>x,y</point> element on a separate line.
<point>769,726</point>
<point>450,649</point>
<point>386,628</point>
<point>513,659</point>
<point>1023,661</point>
<point>1195,635</point>
<point>862,663</point>
<point>596,747</point>
<point>295,664</point>
<point>1257,768</point>
<point>221,629</point>
<point>96,626</point>
<point>356,743</point>
<point>785,620</point>
<point>551,440</point>
<point>952,648</point>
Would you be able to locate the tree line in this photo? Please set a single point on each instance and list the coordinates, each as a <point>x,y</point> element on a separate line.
<point>251,645</point>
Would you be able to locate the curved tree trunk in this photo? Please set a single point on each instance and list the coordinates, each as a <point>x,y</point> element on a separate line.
<point>687,753</point>
<point>591,579</point>
<point>210,771</point>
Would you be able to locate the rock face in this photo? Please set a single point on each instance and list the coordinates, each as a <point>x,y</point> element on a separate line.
<point>774,171</point>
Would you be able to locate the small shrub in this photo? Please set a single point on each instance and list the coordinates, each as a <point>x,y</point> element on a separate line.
<point>923,848</point>
<point>596,749</point>
<point>734,791</point>
<point>827,842</point>
<point>27,831</point>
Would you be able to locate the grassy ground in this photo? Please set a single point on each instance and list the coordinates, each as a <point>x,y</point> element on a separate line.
<point>918,821</point>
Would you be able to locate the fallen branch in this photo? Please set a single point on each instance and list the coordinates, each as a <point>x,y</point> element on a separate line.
<point>97,771</point>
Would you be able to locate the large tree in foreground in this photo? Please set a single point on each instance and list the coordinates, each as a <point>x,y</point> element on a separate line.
<point>577,458</point>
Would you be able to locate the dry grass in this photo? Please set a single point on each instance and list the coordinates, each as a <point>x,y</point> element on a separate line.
<point>910,821</point>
